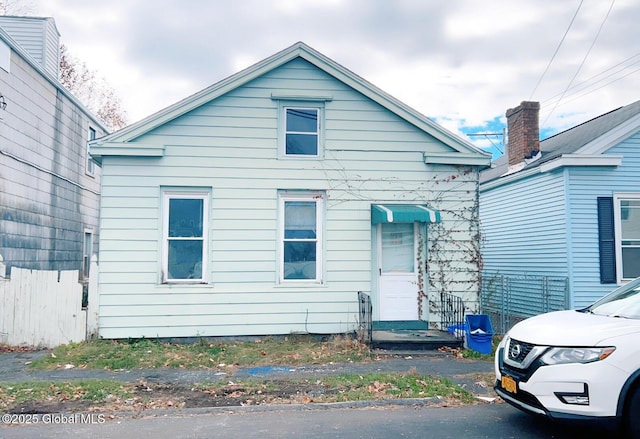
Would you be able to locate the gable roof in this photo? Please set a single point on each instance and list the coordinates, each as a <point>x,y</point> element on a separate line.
<point>464,152</point>
<point>583,145</point>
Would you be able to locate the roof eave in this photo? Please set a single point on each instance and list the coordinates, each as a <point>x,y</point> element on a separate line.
<point>612,137</point>
<point>564,161</point>
<point>115,149</point>
<point>457,158</point>
<point>194,101</point>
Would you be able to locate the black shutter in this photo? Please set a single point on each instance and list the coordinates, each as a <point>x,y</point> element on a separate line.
<point>606,239</point>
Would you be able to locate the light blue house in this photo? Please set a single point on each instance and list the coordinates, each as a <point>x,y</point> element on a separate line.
<point>567,207</point>
<point>264,204</point>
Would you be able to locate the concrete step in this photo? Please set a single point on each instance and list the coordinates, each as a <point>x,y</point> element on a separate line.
<point>413,340</point>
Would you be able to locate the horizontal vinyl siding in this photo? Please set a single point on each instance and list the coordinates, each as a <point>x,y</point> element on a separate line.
<point>525,234</point>
<point>43,137</point>
<point>586,185</point>
<point>229,146</point>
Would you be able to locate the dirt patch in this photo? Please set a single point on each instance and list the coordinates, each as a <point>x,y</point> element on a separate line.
<point>166,395</point>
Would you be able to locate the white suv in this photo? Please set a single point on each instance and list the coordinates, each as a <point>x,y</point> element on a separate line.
<point>577,365</point>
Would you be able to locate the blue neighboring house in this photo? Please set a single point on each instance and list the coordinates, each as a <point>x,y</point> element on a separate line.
<point>566,206</point>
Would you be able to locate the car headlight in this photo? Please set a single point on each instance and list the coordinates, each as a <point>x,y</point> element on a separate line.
<point>576,355</point>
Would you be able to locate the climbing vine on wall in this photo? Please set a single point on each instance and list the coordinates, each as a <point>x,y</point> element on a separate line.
<point>422,269</point>
<point>451,260</point>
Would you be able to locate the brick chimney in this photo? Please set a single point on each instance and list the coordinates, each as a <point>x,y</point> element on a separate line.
<point>523,132</point>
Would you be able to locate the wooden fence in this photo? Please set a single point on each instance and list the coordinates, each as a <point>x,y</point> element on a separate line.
<point>44,308</point>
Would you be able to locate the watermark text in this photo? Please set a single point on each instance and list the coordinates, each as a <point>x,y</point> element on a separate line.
<point>53,418</point>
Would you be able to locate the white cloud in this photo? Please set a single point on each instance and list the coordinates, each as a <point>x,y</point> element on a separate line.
<point>460,62</point>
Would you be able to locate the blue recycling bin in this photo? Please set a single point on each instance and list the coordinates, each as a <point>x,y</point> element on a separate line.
<point>458,331</point>
<point>479,333</point>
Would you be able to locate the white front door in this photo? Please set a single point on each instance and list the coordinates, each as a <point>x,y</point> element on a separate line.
<point>398,271</point>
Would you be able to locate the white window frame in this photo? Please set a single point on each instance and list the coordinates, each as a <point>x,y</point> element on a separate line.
<point>86,252</point>
<point>302,105</point>
<point>90,165</point>
<point>617,211</point>
<point>5,57</point>
<point>168,195</point>
<point>318,198</point>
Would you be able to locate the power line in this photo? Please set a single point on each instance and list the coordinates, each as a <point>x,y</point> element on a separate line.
<point>584,84</point>
<point>583,61</point>
<point>557,49</point>
<point>488,137</point>
<point>595,89</point>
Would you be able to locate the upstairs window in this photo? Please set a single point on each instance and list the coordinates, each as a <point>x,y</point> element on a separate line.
<point>91,165</point>
<point>301,131</point>
<point>5,57</point>
<point>184,237</point>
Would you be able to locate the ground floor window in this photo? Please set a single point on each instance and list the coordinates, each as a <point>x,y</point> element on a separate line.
<point>185,236</point>
<point>628,235</point>
<point>398,248</point>
<point>87,250</point>
<point>301,237</point>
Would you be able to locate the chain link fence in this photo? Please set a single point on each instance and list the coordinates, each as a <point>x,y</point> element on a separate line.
<point>509,299</point>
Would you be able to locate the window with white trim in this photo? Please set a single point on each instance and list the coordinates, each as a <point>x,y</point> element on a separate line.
<point>301,237</point>
<point>87,250</point>
<point>301,134</point>
<point>627,233</point>
<point>184,236</point>
<point>91,165</point>
<point>5,56</point>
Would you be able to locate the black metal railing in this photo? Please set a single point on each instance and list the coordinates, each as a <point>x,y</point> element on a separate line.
<point>452,314</point>
<point>365,328</point>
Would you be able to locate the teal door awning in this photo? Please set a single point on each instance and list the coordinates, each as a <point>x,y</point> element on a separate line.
<point>403,213</point>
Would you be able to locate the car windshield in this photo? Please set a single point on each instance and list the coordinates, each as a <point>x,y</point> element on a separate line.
<point>622,302</point>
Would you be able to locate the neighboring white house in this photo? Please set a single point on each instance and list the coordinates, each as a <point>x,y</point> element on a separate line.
<point>264,203</point>
<point>49,186</point>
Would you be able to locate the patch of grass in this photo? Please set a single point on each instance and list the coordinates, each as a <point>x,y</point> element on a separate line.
<point>87,390</point>
<point>353,387</point>
<point>394,385</point>
<point>475,355</point>
<point>109,395</point>
<point>151,354</point>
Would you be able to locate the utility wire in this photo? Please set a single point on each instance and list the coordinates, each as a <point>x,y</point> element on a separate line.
<point>583,61</point>
<point>557,49</point>
<point>598,88</point>
<point>592,81</point>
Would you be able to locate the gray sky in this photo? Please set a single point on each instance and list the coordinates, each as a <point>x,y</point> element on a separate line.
<point>459,62</point>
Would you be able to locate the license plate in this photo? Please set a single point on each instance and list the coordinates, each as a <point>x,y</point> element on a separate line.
<point>509,384</point>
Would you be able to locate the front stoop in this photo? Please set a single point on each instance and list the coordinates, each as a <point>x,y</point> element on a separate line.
<point>413,339</point>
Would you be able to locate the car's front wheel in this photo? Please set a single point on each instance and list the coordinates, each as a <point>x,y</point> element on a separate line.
<point>632,413</point>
